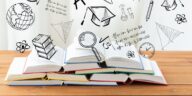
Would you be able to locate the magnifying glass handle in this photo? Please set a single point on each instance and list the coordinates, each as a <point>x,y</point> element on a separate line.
<point>96,54</point>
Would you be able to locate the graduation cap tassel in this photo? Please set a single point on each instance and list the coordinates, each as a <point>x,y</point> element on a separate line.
<point>84,16</point>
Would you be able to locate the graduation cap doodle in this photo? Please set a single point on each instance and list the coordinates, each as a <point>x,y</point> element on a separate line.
<point>171,4</point>
<point>101,15</point>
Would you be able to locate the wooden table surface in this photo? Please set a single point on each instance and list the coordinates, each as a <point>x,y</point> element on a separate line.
<point>176,67</point>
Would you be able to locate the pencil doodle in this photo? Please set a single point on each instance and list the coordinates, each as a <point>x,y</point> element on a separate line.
<point>87,39</point>
<point>171,4</point>
<point>20,16</point>
<point>76,1</point>
<point>130,12</point>
<point>168,36</point>
<point>37,1</point>
<point>124,16</point>
<point>150,8</point>
<point>101,15</point>
<point>180,18</point>
<point>22,46</point>
<point>131,54</point>
<point>63,29</point>
<point>44,46</point>
<point>109,1</point>
<point>147,50</point>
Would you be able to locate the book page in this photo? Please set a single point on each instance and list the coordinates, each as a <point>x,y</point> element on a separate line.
<point>3,28</point>
<point>169,25</point>
<point>25,19</point>
<point>111,20</point>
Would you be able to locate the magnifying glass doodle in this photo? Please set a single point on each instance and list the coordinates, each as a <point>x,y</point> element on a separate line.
<point>88,39</point>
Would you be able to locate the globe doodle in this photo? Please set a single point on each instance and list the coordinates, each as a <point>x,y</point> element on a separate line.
<point>20,16</point>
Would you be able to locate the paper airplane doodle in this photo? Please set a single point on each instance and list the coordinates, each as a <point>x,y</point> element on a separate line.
<point>109,1</point>
<point>63,29</point>
<point>101,15</point>
<point>171,4</point>
<point>168,36</point>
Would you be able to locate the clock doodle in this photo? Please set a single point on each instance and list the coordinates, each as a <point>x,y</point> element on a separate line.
<point>147,50</point>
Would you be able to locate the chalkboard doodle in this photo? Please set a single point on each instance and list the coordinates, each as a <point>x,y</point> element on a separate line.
<point>20,16</point>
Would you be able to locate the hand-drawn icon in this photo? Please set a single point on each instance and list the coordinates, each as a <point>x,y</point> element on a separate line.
<point>20,16</point>
<point>124,16</point>
<point>37,1</point>
<point>130,12</point>
<point>63,29</point>
<point>109,1</point>
<point>131,54</point>
<point>101,15</point>
<point>76,1</point>
<point>168,36</point>
<point>87,39</point>
<point>106,43</point>
<point>150,8</point>
<point>22,46</point>
<point>44,46</point>
<point>171,4</point>
<point>147,50</point>
<point>180,18</point>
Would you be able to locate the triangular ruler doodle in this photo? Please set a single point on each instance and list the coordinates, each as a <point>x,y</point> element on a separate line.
<point>109,1</point>
<point>63,29</point>
<point>167,34</point>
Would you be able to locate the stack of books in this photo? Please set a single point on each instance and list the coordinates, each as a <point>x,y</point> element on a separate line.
<point>75,66</point>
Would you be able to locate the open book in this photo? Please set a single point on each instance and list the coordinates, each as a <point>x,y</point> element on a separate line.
<point>15,76</point>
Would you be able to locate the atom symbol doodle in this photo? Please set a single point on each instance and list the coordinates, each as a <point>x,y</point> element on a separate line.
<point>180,18</point>
<point>22,46</point>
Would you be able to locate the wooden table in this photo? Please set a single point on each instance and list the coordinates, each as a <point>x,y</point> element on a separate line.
<point>176,67</point>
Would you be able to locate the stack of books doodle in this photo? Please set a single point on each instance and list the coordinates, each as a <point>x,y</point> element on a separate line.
<point>76,66</point>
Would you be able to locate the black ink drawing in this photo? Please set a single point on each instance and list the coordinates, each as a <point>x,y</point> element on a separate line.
<point>63,29</point>
<point>101,15</point>
<point>44,46</point>
<point>124,16</point>
<point>149,11</point>
<point>180,18</point>
<point>109,1</point>
<point>22,46</point>
<point>171,4</point>
<point>37,1</point>
<point>106,43</point>
<point>87,39</point>
<point>147,50</point>
<point>168,36</point>
<point>130,12</point>
<point>20,16</point>
<point>76,1</point>
<point>131,54</point>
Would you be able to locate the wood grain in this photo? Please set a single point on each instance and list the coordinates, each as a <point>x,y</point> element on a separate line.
<point>176,67</point>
